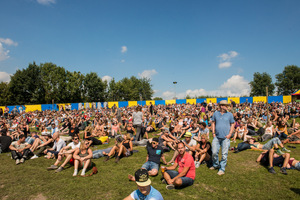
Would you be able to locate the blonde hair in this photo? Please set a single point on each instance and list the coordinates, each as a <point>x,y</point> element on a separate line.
<point>205,137</point>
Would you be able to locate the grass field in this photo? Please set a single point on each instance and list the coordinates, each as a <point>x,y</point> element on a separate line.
<point>244,179</point>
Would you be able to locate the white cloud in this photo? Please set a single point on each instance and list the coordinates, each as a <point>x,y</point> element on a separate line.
<point>122,61</point>
<point>123,49</point>
<point>147,73</point>
<point>225,59</point>
<point>8,42</point>
<point>107,78</point>
<point>3,53</point>
<point>46,2</point>
<point>4,77</point>
<point>235,86</point>
<point>225,65</point>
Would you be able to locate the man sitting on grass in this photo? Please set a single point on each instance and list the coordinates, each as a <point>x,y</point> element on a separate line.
<point>20,150</point>
<point>67,152</point>
<point>145,190</point>
<point>155,153</point>
<point>186,171</point>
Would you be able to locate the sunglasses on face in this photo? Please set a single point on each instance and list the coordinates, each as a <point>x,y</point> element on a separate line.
<point>75,138</point>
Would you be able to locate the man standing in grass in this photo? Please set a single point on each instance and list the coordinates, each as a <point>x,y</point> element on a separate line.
<point>145,190</point>
<point>222,129</point>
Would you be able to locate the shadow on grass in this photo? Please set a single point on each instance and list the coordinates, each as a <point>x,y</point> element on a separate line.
<point>296,190</point>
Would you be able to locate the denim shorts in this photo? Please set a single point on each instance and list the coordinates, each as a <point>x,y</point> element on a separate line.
<point>297,166</point>
<point>149,165</point>
<point>186,181</point>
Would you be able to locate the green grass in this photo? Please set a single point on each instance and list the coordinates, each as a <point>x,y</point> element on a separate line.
<point>244,179</point>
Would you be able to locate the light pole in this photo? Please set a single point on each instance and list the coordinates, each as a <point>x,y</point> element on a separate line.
<point>175,88</point>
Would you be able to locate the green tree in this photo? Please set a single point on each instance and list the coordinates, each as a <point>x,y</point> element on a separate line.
<point>157,98</point>
<point>25,86</point>
<point>94,88</point>
<point>54,83</point>
<point>5,94</point>
<point>289,80</point>
<point>74,86</point>
<point>259,84</point>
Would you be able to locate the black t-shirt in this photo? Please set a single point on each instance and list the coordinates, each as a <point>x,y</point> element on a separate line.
<point>5,142</point>
<point>209,149</point>
<point>73,131</point>
<point>278,161</point>
<point>154,154</point>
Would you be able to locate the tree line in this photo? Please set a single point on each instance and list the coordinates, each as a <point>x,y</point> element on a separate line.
<point>47,83</point>
<point>287,82</point>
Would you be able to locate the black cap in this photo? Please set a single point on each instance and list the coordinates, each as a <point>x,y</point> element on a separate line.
<point>142,177</point>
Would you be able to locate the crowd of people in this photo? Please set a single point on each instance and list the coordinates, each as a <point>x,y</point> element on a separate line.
<point>185,129</point>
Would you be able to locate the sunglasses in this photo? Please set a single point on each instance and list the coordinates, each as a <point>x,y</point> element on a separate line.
<point>75,138</point>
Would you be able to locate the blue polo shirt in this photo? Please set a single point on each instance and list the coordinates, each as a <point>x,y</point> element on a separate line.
<point>153,195</point>
<point>222,123</point>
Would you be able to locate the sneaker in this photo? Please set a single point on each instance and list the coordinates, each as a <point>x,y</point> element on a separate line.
<point>17,161</point>
<point>170,187</point>
<point>164,181</point>
<point>117,159</point>
<point>59,169</point>
<point>220,173</point>
<point>285,149</point>
<point>106,159</point>
<point>75,173</point>
<point>34,157</point>
<point>279,152</point>
<point>22,160</point>
<point>283,170</point>
<point>212,168</point>
<point>271,170</point>
<point>197,164</point>
<point>52,167</point>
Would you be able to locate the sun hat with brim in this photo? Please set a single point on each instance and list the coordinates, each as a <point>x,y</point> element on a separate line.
<point>142,177</point>
<point>188,134</point>
<point>224,102</point>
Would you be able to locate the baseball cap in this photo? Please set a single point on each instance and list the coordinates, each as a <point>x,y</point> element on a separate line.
<point>188,134</point>
<point>142,177</point>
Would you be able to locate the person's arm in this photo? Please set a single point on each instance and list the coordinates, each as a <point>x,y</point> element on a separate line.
<point>131,146</point>
<point>89,156</point>
<point>181,174</point>
<point>46,143</point>
<point>173,167</point>
<point>213,128</point>
<point>231,131</point>
<point>12,148</point>
<point>128,198</point>
<point>189,147</point>
<point>75,155</point>
<point>163,159</point>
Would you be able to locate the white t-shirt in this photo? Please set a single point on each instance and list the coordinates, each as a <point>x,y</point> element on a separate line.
<point>73,146</point>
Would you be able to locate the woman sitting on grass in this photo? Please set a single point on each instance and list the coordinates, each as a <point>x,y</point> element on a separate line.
<point>117,150</point>
<point>125,148</point>
<point>275,142</point>
<point>269,131</point>
<point>82,157</point>
<point>89,135</point>
<point>130,129</point>
<point>241,132</point>
<point>203,151</point>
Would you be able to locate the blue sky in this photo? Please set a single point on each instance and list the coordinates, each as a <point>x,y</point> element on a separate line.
<point>208,47</point>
